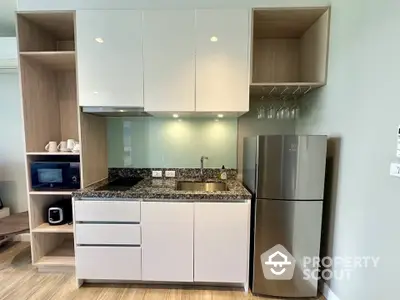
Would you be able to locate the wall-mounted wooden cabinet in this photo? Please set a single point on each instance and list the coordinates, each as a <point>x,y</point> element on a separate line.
<point>222,60</point>
<point>110,65</point>
<point>290,48</point>
<point>169,61</point>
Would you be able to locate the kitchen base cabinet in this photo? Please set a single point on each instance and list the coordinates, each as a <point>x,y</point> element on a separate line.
<point>108,263</point>
<point>221,242</point>
<point>167,241</point>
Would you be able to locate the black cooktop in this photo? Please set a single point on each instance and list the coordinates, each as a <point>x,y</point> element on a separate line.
<point>120,184</point>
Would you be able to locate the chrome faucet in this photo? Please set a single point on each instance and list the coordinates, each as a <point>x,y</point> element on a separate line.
<point>202,165</point>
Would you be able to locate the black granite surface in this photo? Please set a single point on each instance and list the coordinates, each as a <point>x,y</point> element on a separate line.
<point>165,189</point>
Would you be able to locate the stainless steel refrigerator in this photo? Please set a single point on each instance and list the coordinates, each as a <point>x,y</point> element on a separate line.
<point>286,175</point>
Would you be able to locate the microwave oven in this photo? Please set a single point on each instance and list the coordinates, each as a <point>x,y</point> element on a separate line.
<point>48,176</point>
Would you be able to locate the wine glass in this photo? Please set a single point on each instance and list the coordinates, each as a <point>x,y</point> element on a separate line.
<point>283,112</point>
<point>294,111</point>
<point>271,112</point>
<point>261,112</point>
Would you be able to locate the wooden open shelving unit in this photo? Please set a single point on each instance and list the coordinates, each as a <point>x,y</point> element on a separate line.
<point>290,50</point>
<point>51,112</point>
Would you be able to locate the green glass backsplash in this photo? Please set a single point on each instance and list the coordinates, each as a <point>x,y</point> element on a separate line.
<point>170,143</point>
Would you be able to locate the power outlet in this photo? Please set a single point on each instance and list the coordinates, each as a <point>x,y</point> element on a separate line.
<point>169,173</point>
<point>156,173</point>
<point>395,169</point>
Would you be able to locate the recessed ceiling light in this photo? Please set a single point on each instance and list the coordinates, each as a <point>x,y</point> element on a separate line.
<point>214,39</point>
<point>175,116</point>
<point>121,110</point>
<point>95,92</point>
<point>99,40</point>
<point>220,115</point>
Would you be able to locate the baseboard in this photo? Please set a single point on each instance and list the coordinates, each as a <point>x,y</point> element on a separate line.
<point>23,237</point>
<point>326,291</point>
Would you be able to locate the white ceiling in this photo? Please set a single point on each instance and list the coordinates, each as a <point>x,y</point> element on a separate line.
<point>7,17</point>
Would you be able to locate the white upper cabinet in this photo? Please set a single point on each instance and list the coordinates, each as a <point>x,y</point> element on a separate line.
<point>110,58</point>
<point>169,60</point>
<point>222,60</point>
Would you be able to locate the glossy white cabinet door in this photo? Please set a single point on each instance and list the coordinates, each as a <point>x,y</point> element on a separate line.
<point>112,210</point>
<point>108,263</point>
<point>110,73</point>
<point>167,241</point>
<point>169,60</point>
<point>222,66</point>
<point>221,242</point>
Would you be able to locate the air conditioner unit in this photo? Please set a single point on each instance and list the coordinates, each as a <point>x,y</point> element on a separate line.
<point>8,55</point>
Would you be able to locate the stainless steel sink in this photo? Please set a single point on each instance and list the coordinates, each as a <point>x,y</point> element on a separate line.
<point>201,186</point>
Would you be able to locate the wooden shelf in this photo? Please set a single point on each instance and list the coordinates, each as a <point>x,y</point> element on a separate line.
<point>51,153</point>
<point>55,60</point>
<point>55,193</point>
<point>47,228</point>
<point>62,256</point>
<point>283,88</point>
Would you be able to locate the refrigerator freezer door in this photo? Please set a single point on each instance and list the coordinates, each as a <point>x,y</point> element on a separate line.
<point>291,167</point>
<point>296,225</point>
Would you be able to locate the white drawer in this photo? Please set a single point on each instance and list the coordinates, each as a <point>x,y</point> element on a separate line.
<point>108,263</point>
<point>107,211</point>
<point>108,234</point>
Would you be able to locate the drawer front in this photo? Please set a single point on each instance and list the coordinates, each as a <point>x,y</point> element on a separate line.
<point>108,234</point>
<point>107,211</point>
<point>108,263</point>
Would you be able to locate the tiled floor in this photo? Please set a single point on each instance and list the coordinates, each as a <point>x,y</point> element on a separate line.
<point>20,281</point>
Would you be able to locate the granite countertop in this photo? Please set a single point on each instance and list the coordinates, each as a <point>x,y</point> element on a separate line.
<point>165,189</point>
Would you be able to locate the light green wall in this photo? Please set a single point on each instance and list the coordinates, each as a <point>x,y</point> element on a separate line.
<point>169,143</point>
<point>360,110</point>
